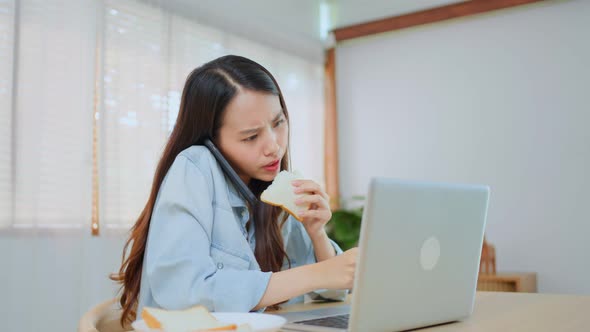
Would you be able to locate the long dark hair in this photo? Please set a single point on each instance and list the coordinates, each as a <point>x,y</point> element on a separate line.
<point>207,92</point>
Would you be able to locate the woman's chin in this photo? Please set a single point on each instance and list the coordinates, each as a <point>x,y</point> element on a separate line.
<point>267,177</point>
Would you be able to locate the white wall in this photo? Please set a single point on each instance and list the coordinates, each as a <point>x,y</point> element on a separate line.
<point>501,99</point>
<point>48,281</point>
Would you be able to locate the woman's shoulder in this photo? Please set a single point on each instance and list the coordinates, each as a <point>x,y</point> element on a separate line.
<point>201,158</point>
<point>195,168</point>
<point>193,161</point>
<point>201,161</point>
<point>197,154</point>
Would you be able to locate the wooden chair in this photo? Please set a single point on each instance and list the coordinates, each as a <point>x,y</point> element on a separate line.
<point>103,318</point>
<point>487,264</point>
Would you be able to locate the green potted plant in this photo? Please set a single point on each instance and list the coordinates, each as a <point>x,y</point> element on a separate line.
<point>345,225</point>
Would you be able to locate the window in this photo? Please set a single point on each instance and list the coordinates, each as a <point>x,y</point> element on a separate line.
<point>91,83</point>
<point>53,85</point>
<point>7,12</point>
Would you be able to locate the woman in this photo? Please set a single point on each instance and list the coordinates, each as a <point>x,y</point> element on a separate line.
<point>194,242</point>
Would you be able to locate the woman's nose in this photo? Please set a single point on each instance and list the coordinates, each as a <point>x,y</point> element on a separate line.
<point>272,145</point>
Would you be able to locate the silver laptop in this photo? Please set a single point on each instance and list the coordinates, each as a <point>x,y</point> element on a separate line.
<point>419,253</point>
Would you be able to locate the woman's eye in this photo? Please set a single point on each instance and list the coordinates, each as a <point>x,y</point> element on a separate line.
<point>251,138</point>
<point>278,123</point>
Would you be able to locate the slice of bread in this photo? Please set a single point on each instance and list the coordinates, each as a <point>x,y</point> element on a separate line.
<point>195,319</point>
<point>281,193</point>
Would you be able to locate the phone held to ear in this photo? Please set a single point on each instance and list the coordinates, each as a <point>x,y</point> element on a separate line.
<point>233,176</point>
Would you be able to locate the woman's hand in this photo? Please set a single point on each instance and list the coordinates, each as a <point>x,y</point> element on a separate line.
<point>318,214</point>
<point>334,273</point>
<point>338,272</point>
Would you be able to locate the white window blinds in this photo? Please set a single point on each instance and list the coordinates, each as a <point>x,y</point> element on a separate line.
<point>191,45</point>
<point>7,24</point>
<point>134,119</point>
<point>145,54</point>
<point>54,91</point>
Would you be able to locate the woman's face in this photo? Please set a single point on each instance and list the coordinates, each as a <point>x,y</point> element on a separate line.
<point>254,135</point>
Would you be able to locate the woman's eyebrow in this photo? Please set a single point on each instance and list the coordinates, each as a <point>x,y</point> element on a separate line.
<point>254,130</point>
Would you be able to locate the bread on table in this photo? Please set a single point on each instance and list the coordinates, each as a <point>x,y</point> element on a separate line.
<point>195,319</point>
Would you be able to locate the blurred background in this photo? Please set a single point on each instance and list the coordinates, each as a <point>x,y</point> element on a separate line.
<point>90,90</point>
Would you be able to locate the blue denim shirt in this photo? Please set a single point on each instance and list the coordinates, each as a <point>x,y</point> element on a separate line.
<point>198,250</point>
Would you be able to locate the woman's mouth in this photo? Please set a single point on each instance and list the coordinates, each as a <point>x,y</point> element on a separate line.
<point>272,166</point>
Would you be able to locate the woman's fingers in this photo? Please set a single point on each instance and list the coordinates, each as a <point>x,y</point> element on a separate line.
<point>313,196</point>
<point>321,215</point>
<point>308,187</point>
<point>314,201</point>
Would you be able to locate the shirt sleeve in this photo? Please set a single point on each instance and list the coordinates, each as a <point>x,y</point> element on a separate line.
<point>300,248</point>
<point>179,268</point>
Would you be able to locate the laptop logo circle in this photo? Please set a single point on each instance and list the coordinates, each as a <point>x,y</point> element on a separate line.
<point>430,253</point>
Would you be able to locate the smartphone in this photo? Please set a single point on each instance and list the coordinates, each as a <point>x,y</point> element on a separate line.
<point>231,173</point>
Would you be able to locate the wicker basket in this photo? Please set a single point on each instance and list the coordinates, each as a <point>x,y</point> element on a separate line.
<point>490,281</point>
<point>508,282</point>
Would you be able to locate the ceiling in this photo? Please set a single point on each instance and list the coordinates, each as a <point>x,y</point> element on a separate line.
<point>294,26</point>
